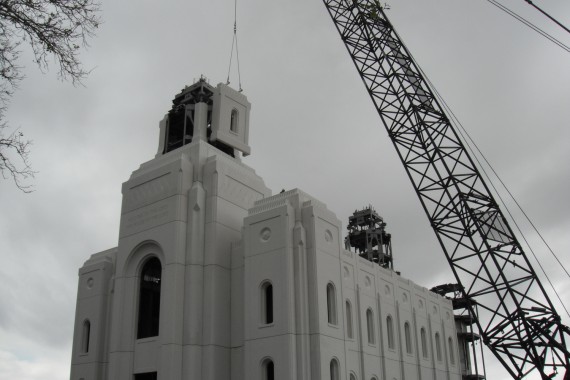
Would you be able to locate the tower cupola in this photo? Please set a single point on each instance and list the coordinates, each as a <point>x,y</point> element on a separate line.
<point>218,115</point>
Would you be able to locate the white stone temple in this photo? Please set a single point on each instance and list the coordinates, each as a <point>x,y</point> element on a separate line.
<point>215,279</point>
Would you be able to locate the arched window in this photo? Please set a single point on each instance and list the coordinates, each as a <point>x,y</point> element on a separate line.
<point>331,304</point>
<point>451,354</point>
<point>334,370</point>
<point>349,320</point>
<point>149,299</point>
<point>85,336</point>
<point>370,326</point>
<point>352,377</point>
<point>390,331</point>
<point>234,121</point>
<point>423,338</point>
<point>437,347</point>
<point>408,338</point>
<point>267,302</point>
<point>268,370</point>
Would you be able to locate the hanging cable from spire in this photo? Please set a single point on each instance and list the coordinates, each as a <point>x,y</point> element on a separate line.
<point>235,43</point>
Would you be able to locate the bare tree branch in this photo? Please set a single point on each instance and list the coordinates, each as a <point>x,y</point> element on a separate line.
<point>54,29</point>
<point>14,158</point>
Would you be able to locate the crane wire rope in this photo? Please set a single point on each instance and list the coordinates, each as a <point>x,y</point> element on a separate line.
<point>547,15</point>
<point>463,131</point>
<point>457,122</point>
<point>530,25</point>
<point>461,128</point>
<point>235,43</point>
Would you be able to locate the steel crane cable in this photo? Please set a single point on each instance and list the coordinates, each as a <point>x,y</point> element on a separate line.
<point>530,25</point>
<point>547,15</point>
<point>461,130</point>
<point>457,122</point>
<point>235,43</point>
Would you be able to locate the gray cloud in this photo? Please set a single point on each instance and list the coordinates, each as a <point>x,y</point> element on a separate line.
<point>313,127</point>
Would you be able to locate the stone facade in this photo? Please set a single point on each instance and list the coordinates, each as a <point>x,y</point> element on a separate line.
<point>249,285</point>
<point>332,305</point>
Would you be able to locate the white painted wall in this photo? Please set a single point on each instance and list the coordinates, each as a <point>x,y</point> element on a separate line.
<point>272,252</point>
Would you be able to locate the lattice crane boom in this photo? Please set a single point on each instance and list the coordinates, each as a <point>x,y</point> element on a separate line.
<point>515,318</point>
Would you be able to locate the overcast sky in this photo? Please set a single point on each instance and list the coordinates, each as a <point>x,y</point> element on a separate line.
<point>312,127</point>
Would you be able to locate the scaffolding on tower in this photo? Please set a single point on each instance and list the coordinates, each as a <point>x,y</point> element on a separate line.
<point>367,234</point>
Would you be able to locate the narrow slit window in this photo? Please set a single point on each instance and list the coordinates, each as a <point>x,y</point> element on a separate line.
<point>370,325</point>
<point>149,299</point>
<point>85,337</point>
<point>268,370</point>
<point>335,373</point>
<point>331,304</point>
<point>451,354</point>
<point>408,338</point>
<point>390,331</point>
<point>234,119</point>
<point>267,303</point>
<point>437,347</point>
<point>349,332</point>
<point>423,338</point>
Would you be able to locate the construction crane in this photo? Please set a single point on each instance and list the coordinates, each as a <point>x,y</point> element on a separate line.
<point>495,280</point>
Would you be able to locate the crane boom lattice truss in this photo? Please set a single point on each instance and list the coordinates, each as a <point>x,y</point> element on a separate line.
<point>519,323</point>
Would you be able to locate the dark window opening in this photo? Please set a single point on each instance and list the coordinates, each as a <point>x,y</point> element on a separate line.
<point>149,299</point>
<point>424,342</point>
<point>349,320</point>
<point>223,147</point>
<point>180,128</point>
<point>390,329</point>
<point>268,370</point>
<point>437,347</point>
<point>175,129</point>
<point>85,337</point>
<point>234,118</point>
<point>370,326</point>
<point>146,376</point>
<point>451,352</point>
<point>331,304</point>
<point>267,303</point>
<point>334,370</point>
<point>408,337</point>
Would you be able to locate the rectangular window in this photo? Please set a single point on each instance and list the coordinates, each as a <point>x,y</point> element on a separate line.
<point>390,329</point>
<point>146,376</point>
<point>331,304</point>
<point>370,326</point>
<point>267,303</point>
<point>149,299</point>
<point>86,336</point>
<point>349,320</point>
<point>408,338</point>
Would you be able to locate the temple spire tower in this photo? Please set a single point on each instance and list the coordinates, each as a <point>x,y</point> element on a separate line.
<point>158,306</point>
